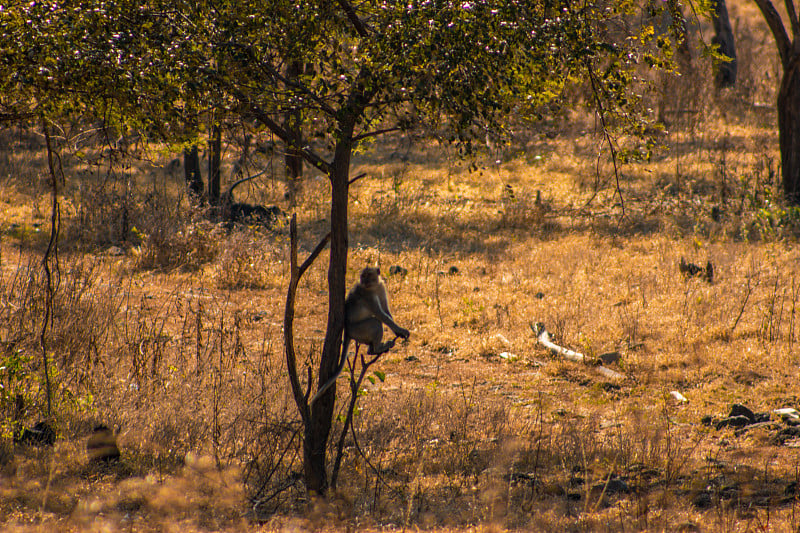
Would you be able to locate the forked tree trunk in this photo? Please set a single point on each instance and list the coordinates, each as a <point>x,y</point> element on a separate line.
<point>789,129</point>
<point>318,428</point>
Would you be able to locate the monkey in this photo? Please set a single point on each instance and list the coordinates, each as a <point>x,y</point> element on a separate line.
<point>102,445</point>
<point>366,310</point>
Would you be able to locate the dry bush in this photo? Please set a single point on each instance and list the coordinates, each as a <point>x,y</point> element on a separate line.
<point>186,247</point>
<point>522,210</point>
<point>245,260</point>
<point>83,313</point>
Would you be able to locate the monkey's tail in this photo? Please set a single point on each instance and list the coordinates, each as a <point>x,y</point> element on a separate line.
<point>328,384</point>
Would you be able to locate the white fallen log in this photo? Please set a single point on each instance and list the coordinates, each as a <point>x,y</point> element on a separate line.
<point>678,397</point>
<point>544,339</point>
<point>787,412</point>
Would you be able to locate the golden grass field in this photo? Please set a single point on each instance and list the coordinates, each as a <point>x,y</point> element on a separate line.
<point>171,333</point>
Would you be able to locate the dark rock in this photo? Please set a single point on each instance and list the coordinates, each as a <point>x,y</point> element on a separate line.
<point>741,410</point>
<point>690,270</point>
<point>254,214</point>
<point>522,478</point>
<point>702,500</point>
<point>707,420</point>
<point>609,357</point>
<point>785,434</point>
<point>612,486</point>
<point>397,269</point>
<point>41,434</point>
<point>733,422</point>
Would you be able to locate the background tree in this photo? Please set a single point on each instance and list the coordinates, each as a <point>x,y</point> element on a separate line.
<point>788,95</point>
<point>725,75</point>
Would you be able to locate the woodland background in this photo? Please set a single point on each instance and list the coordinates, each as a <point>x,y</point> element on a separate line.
<point>163,318</point>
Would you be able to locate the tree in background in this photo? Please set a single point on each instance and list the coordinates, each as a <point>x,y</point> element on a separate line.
<point>788,95</point>
<point>725,75</point>
<point>469,69</point>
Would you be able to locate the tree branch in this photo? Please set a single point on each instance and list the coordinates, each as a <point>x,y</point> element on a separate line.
<point>300,398</point>
<point>601,111</point>
<point>775,24</point>
<point>357,23</point>
<point>283,134</point>
<point>362,136</point>
<point>795,24</point>
<point>353,180</point>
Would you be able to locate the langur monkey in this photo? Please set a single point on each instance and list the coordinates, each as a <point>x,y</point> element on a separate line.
<point>366,310</point>
<point>102,445</point>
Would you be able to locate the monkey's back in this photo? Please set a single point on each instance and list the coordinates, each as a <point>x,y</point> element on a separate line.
<point>354,308</point>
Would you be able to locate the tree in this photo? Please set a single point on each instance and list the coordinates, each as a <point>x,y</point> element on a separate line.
<point>788,95</point>
<point>466,67</point>
<point>470,68</point>
<point>723,37</point>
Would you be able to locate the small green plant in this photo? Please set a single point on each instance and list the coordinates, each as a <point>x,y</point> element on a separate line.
<point>14,379</point>
<point>776,221</point>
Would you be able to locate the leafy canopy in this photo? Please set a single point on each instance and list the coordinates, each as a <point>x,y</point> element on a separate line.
<point>372,66</point>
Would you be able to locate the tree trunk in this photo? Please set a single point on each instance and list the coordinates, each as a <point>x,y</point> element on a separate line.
<point>318,428</point>
<point>191,166</point>
<point>726,71</point>
<point>215,147</point>
<point>293,158</point>
<point>789,129</point>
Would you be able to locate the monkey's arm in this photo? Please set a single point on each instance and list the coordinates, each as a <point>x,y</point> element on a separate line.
<point>385,317</point>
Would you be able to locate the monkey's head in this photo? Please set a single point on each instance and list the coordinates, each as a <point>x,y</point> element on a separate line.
<point>370,277</point>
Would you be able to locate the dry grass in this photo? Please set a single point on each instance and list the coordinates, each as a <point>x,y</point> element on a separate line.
<point>169,329</point>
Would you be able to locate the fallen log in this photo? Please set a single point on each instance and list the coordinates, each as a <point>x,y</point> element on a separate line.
<point>544,339</point>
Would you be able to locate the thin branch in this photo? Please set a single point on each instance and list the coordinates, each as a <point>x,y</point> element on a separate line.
<point>229,193</point>
<point>51,254</point>
<point>362,175</point>
<point>15,117</point>
<point>355,386</point>
<point>293,83</point>
<point>284,135</point>
<point>362,136</point>
<point>606,134</point>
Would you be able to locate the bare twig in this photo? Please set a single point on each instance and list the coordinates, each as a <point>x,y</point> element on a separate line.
<point>355,386</point>
<point>50,255</point>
